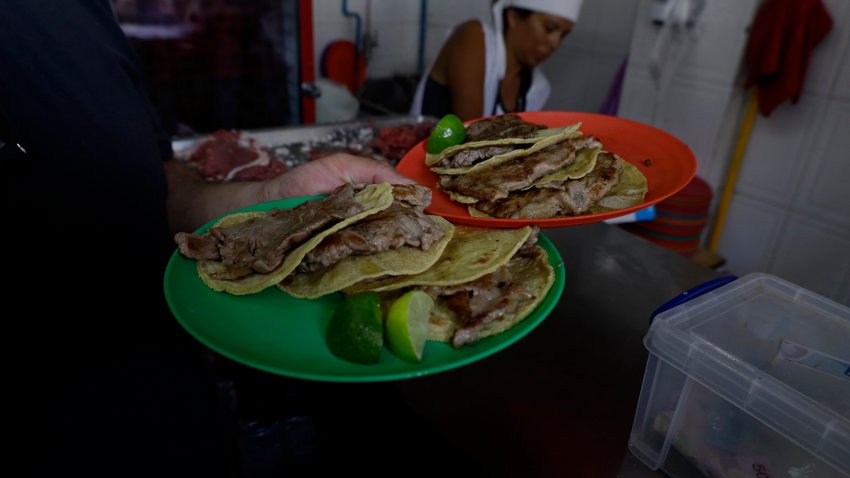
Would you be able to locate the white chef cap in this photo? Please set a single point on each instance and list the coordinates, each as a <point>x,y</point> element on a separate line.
<point>568,9</point>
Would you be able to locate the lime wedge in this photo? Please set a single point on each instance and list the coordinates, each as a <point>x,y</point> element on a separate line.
<point>355,332</point>
<point>449,131</point>
<point>407,325</point>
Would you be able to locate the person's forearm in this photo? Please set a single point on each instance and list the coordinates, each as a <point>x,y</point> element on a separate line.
<point>192,201</point>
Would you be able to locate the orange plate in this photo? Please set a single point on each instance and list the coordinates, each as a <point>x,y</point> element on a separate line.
<point>667,163</point>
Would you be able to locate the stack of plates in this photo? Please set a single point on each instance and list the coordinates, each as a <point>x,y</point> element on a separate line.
<point>679,220</point>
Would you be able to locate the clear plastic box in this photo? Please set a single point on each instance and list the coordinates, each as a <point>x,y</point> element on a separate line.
<point>751,379</point>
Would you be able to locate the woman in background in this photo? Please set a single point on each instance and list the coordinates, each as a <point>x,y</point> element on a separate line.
<point>488,68</point>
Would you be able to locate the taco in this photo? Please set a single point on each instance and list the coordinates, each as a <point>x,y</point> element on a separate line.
<point>244,253</point>
<point>484,132</point>
<point>629,191</point>
<point>485,282</point>
<point>611,184</point>
<point>566,173</point>
<point>506,139</point>
<point>499,178</point>
<point>398,240</point>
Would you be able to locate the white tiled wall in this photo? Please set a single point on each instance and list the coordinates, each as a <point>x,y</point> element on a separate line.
<point>751,233</point>
<point>823,184</point>
<point>719,37</point>
<point>813,254</point>
<point>798,162</point>
<point>842,83</point>
<point>394,25</point>
<point>695,106</point>
<point>823,68</point>
<point>581,71</point>
<point>796,174</point>
<point>788,215</point>
<point>781,139</point>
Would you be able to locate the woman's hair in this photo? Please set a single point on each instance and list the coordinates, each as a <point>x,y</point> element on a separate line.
<point>522,12</point>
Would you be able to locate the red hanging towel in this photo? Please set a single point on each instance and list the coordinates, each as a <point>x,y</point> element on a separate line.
<point>781,41</point>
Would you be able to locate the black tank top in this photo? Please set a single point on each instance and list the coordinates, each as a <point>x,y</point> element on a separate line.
<point>437,99</point>
<point>524,85</point>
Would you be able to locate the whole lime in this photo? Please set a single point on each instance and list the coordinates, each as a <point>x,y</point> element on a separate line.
<point>449,131</point>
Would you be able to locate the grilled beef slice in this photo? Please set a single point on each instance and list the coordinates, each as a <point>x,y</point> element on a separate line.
<point>500,127</point>
<point>487,299</point>
<point>468,157</point>
<point>403,224</point>
<point>569,198</point>
<point>259,245</point>
<point>414,195</point>
<point>496,182</point>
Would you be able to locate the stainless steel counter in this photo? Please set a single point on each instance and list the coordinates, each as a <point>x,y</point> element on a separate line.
<point>560,402</point>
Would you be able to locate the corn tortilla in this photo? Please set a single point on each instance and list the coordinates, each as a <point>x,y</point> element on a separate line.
<point>374,198</point>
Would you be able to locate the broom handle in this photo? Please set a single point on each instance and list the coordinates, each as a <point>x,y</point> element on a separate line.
<point>734,169</point>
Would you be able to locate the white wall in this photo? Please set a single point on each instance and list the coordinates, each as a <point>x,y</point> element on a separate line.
<point>394,25</point>
<point>581,71</point>
<point>789,213</point>
<point>697,103</point>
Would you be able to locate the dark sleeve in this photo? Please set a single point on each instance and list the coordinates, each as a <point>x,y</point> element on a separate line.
<point>73,98</point>
<point>94,188</point>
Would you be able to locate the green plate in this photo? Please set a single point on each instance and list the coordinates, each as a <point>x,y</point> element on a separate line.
<point>278,333</point>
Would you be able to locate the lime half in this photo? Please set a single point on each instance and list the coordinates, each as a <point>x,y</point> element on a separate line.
<point>407,325</point>
<point>355,332</point>
<point>449,131</point>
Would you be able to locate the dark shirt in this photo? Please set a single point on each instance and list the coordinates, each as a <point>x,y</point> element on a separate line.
<point>437,98</point>
<point>524,85</point>
<point>106,383</point>
<point>93,189</point>
<point>73,99</point>
<point>71,96</point>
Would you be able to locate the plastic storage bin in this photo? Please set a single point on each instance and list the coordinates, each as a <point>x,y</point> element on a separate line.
<point>751,379</point>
